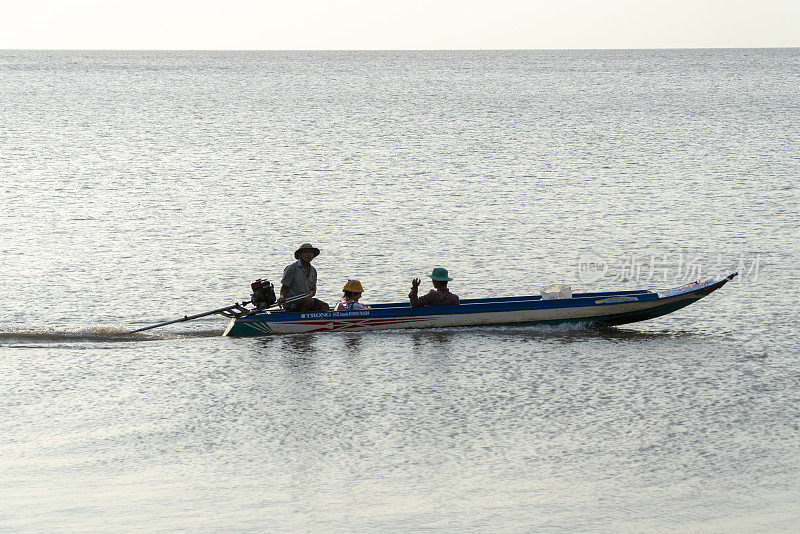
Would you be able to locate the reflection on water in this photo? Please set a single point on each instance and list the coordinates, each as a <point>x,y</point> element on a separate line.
<point>300,344</point>
<point>438,338</point>
<point>619,333</point>
<point>352,344</point>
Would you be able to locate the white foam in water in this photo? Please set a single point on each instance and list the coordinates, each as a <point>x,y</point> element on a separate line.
<point>97,333</point>
<point>562,328</point>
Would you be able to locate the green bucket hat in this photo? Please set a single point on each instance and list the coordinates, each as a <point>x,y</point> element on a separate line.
<point>440,274</point>
<point>306,246</point>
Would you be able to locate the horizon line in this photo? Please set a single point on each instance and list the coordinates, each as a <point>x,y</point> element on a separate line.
<point>391,49</point>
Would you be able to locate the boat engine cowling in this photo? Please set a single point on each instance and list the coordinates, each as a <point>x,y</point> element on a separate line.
<point>263,295</point>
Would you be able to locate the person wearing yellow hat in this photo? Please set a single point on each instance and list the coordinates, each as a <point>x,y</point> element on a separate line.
<point>438,296</point>
<point>352,292</point>
<point>300,278</point>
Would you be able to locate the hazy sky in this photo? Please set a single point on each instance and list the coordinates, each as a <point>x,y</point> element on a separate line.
<point>405,24</point>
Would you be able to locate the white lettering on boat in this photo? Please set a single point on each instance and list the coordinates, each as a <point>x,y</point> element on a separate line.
<point>330,315</point>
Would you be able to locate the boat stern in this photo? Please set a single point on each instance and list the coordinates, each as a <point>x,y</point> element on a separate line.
<point>239,327</point>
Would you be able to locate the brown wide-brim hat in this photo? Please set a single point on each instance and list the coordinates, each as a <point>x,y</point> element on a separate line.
<point>306,246</point>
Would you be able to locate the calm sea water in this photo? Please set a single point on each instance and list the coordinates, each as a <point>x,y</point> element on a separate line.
<point>137,187</point>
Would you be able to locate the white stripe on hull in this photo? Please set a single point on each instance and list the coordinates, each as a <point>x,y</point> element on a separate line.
<point>457,319</point>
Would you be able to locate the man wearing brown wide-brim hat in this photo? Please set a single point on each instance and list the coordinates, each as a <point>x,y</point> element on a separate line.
<point>300,278</point>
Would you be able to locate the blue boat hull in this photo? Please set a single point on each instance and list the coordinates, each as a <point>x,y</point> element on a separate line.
<point>600,309</point>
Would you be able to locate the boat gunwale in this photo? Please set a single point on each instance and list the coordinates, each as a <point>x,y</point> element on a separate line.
<point>496,304</point>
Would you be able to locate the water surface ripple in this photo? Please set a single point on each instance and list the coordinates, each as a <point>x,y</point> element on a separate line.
<point>138,187</point>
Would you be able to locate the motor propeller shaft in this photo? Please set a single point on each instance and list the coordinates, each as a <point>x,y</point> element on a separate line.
<point>234,310</point>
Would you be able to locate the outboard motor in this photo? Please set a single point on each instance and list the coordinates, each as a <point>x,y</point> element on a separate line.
<point>263,295</point>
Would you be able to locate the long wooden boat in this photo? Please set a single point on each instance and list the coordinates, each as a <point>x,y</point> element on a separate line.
<point>600,309</point>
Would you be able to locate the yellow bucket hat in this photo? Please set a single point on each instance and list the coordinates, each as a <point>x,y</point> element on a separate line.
<point>354,286</point>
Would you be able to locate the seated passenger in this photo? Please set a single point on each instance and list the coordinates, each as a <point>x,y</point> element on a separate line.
<point>352,292</point>
<point>437,296</point>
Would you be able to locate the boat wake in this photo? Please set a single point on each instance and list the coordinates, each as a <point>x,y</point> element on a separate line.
<point>98,333</point>
<point>19,336</point>
<point>564,331</point>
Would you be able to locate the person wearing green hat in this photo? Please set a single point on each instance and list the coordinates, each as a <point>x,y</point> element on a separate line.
<point>438,296</point>
<point>300,278</point>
